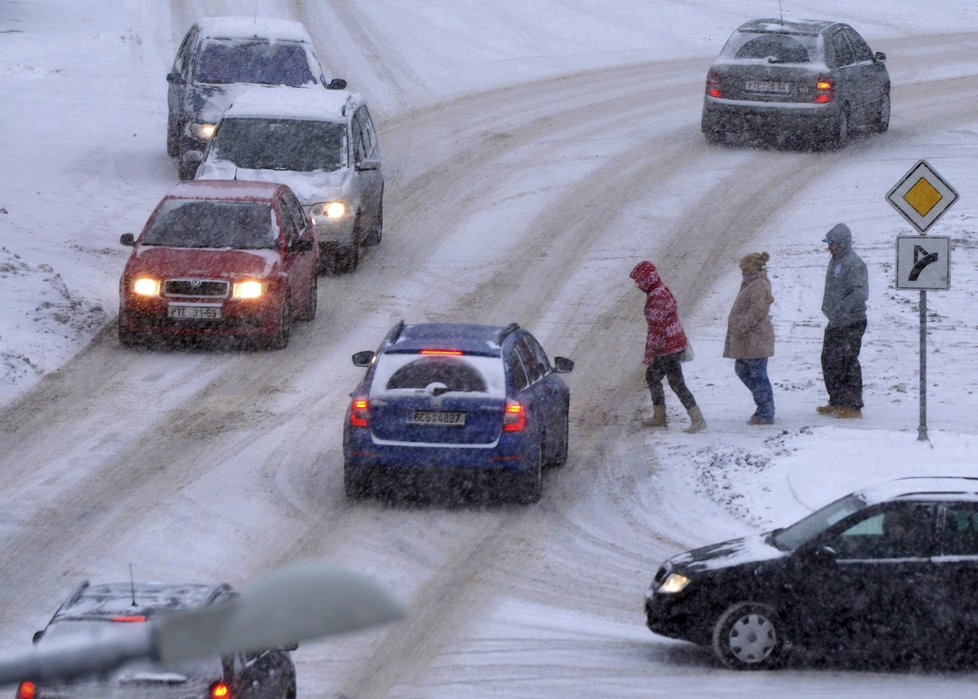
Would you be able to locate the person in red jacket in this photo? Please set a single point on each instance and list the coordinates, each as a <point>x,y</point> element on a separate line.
<point>665,346</point>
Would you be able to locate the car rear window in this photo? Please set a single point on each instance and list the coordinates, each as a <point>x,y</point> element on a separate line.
<point>213,224</point>
<point>414,372</point>
<point>776,48</point>
<point>298,145</point>
<point>261,62</point>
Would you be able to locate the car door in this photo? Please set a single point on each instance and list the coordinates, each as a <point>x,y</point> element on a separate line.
<point>176,85</point>
<point>956,571</point>
<point>868,77</point>
<point>257,676</point>
<point>865,581</point>
<point>292,259</point>
<point>366,156</point>
<point>306,261</point>
<point>554,396</point>
<point>844,71</point>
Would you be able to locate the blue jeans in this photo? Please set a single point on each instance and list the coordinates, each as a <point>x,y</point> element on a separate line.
<point>753,372</point>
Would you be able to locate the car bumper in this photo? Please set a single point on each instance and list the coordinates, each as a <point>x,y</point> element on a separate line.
<point>736,116</point>
<point>673,617</point>
<point>335,234</point>
<point>238,318</point>
<point>506,456</point>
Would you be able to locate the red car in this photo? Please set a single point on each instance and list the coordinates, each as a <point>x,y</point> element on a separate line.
<point>221,257</point>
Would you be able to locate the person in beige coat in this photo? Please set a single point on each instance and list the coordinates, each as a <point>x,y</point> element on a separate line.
<point>750,335</point>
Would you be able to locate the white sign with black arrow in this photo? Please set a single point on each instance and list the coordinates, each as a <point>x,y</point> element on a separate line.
<point>923,262</point>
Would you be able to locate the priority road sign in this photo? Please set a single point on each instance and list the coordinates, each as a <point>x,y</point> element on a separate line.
<point>922,196</point>
<point>923,262</point>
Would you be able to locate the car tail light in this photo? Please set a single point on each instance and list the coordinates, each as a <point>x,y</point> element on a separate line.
<point>824,90</point>
<point>514,420</point>
<point>359,415</point>
<point>27,690</point>
<point>442,352</point>
<point>221,690</point>
<point>713,88</point>
<point>130,618</point>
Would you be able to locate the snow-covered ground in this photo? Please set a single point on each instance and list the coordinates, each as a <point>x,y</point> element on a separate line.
<point>81,152</point>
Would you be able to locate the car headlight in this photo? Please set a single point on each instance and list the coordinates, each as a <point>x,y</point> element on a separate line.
<point>249,289</point>
<point>329,210</point>
<point>203,131</point>
<point>146,286</point>
<point>673,583</point>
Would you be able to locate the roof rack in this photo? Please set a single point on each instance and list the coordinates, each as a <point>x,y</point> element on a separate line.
<point>395,332</point>
<point>507,331</point>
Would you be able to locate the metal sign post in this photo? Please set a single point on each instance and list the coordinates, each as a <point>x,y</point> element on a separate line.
<point>922,197</point>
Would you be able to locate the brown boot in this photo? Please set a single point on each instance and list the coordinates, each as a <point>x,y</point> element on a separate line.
<point>825,409</point>
<point>848,413</point>
<point>697,423</point>
<point>658,418</point>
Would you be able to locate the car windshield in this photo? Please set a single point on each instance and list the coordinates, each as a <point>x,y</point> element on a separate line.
<point>254,61</point>
<point>281,144</point>
<point>792,537</point>
<point>773,47</point>
<point>213,224</point>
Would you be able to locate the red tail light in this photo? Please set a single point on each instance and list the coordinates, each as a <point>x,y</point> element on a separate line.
<point>221,690</point>
<point>130,618</point>
<point>27,690</point>
<point>824,90</point>
<point>359,415</point>
<point>514,419</point>
<point>442,352</point>
<point>713,88</point>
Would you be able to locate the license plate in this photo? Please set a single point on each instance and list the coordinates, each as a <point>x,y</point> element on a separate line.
<point>767,86</point>
<point>441,419</point>
<point>193,311</point>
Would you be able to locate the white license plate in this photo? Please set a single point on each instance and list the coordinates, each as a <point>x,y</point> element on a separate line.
<point>193,311</point>
<point>767,86</point>
<point>433,417</point>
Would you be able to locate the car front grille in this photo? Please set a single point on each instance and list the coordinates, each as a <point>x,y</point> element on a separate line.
<point>195,288</point>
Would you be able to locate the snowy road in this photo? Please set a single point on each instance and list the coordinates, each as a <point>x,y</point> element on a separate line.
<point>530,203</point>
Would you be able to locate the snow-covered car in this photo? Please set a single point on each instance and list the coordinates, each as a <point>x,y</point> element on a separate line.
<point>808,81</point>
<point>887,570</point>
<point>478,405</point>
<point>228,258</point>
<point>88,613</point>
<point>219,58</point>
<point>324,146</point>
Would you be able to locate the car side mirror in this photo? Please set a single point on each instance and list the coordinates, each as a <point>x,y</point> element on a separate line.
<point>369,164</point>
<point>173,77</point>
<point>363,358</point>
<point>301,245</point>
<point>290,647</point>
<point>127,239</point>
<point>336,84</point>
<point>563,365</point>
<point>880,57</point>
<point>38,635</point>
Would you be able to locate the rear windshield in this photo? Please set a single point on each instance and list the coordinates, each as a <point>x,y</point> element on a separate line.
<point>298,145</point>
<point>254,61</point>
<point>213,224</point>
<point>414,373</point>
<point>773,48</point>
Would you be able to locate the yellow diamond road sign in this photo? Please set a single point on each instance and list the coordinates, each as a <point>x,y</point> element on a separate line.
<point>922,196</point>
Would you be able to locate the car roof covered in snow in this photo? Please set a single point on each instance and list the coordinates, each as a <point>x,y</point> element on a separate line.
<point>799,26</point>
<point>466,337</point>
<point>225,189</point>
<point>295,103</point>
<point>922,488</point>
<point>271,28</point>
<point>108,600</point>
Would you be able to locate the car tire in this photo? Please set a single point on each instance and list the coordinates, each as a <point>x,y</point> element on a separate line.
<point>840,131</point>
<point>312,304</point>
<point>749,636</point>
<point>186,171</point>
<point>883,115</point>
<point>127,338</point>
<point>353,483</point>
<point>172,138</point>
<point>346,260</point>
<point>527,486</point>
<point>377,231</point>
<point>280,339</point>
<point>560,458</point>
<point>714,136</point>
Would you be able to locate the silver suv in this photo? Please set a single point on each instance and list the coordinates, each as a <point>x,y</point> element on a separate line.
<point>323,145</point>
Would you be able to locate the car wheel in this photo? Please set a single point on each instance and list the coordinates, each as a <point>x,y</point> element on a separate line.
<point>528,485</point>
<point>127,338</point>
<point>883,116</point>
<point>172,138</point>
<point>714,137</point>
<point>749,636</point>
<point>346,260</point>
<point>840,133</point>
<point>280,339</point>
<point>353,483</point>
<point>312,305</point>
<point>560,458</point>
<point>185,170</point>
<point>377,232</point>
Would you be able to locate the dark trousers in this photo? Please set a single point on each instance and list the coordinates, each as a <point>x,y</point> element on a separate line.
<point>668,366</point>
<point>753,372</point>
<point>840,365</point>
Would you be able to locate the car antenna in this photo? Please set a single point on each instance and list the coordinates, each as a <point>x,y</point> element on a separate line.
<point>132,585</point>
<point>781,12</point>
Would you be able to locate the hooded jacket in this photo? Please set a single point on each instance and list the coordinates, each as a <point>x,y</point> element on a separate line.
<point>750,332</point>
<point>846,281</point>
<point>665,333</point>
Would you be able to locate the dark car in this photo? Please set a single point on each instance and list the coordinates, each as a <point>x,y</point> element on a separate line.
<point>473,403</point>
<point>221,258</point>
<point>807,80</point>
<point>90,608</point>
<point>218,58</point>
<point>890,570</point>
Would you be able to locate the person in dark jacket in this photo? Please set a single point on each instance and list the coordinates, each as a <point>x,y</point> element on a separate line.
<point>844,304</point>
<point>750,335</point>
<point>665,344</point>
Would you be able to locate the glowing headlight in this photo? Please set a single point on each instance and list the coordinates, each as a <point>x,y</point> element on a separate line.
<point>674,583</point>
<point>204,131</point>
<point>250,289</point>
<point>146,286</point>
<point>329,210</point>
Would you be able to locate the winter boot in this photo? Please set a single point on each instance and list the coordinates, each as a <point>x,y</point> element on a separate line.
<point>697,423</point>
<point>825,409</point>
<point>658,418</point>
